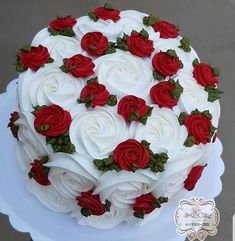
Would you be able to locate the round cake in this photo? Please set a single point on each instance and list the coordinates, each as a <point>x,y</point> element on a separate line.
<point>116,116</point>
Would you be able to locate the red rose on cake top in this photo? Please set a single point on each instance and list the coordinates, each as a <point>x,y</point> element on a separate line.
<point>132,108</point>
<point>199,126</point>
<point>205,75</point>
<point>166,29</point>
<point>51,120</point>
<point>91,204</point>
<point>146,204</point>
<point>166,93</point>
<point>166,64</point>
<point>14,129</point>
<point>94,43</point>
<point>79,66</point>
<point>193,177</point>
<point>32,57</point>
<point>39,172</point>
<point>94,94</point>
<point>139,44</point>
<point>131,155</point>
<point>62,23</point>
<point>106,13</point>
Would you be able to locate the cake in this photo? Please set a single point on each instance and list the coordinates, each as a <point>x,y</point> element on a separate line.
<point>116,116</point>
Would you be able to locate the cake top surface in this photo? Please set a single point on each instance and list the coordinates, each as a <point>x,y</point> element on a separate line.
<point>116,115</point>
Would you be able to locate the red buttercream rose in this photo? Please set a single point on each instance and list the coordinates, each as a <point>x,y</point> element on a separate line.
<point>166,29</point>
<point>139,45</point>
<point>165,64</point>
<point>204,75</point>
<point>11,124</point>
<point>79,66</point>
<point>60,23</point>
<point>92,203</point>
<point>52,120</point>
<point>131,155</point>
<point>107,14</point>
<point>161,94</point>
<point>144,205</point>
<point>95,93</point>
<point>193,177</point>
<point>35,58</point>
<point>132,105</point>
<point>39,173</point>
<point>95,43</point>
<point>198,126</point>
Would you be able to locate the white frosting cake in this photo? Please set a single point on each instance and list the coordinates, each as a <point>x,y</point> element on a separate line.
<point>116,116</point>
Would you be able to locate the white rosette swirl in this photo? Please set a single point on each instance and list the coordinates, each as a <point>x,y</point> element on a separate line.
<point>125,74</point>
<point>31,145</point>
<point>40,37</point>
<point>59,46</point>
<point>106,221</point>
<point>49,85</point>
<point>133,20</point>
<point>112,30</point>
<point>195,97</point>
<point>98,131</point>
<point>122,188</point>
<point>171,181</point>
<point>50,197</point>
<point>174,184</point>
<point>162,130</point>
<point>72,174</point>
